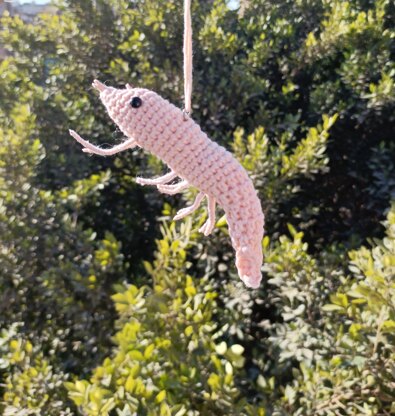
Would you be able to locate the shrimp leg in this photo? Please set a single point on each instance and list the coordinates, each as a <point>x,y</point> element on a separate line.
<point>173,189</point>
<point>186,211</point>
<point>208,226</point>
<point>157,181</point>
<point>90,148</point>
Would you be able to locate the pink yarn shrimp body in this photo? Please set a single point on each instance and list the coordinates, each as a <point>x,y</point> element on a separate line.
<point>153,123</point>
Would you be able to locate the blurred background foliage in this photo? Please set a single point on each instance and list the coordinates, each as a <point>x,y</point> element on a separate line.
<point>107,307</point>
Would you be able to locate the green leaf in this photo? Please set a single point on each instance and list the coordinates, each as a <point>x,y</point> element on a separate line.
<point>388,326</point>
<point>160,396</point>
<point>332,308</point>
<point>237,349</point>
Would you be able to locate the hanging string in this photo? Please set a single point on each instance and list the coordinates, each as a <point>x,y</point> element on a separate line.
<point>187,57</point>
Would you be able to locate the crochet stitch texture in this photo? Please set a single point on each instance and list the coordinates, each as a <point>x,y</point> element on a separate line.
<point>162,129</point>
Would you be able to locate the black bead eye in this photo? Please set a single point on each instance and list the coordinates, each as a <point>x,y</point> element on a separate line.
<point>136,102</point>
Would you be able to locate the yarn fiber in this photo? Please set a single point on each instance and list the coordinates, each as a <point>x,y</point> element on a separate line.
<point>162,129</point>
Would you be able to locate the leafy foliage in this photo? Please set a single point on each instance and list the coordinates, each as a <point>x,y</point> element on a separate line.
<point>31,387</point>
<point>97,319</point>
<point>55,277</point>
<point>355,375</point>
<point>275,168</point>
<point>167,358</point>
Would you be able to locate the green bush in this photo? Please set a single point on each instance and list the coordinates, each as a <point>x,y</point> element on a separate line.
<point>56,277</point>
<point>98,319</point>
<point>345,346</point>
<point>168,357</point>
<point>31,385</point>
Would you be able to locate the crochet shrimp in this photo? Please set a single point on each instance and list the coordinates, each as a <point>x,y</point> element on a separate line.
<point>151,122</point>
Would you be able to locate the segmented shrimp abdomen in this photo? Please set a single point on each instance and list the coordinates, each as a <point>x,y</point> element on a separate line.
<point>246,225</point>
<point>188,151</point>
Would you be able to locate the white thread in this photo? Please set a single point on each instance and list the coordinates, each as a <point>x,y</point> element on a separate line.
<point>187,56</point>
